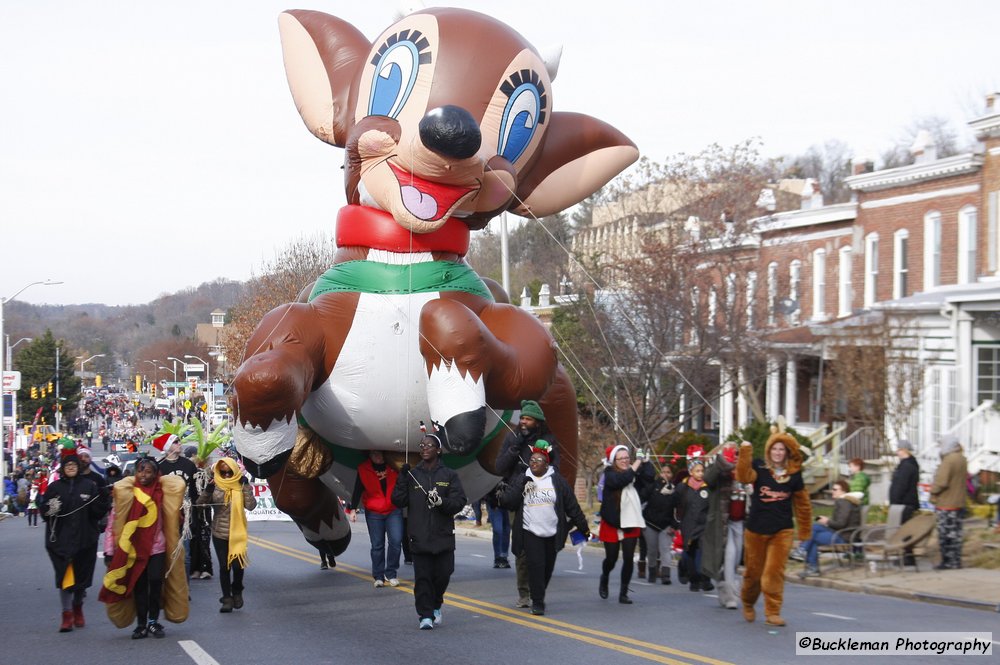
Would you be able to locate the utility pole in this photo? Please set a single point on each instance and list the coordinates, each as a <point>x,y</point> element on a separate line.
<point>58,405</point>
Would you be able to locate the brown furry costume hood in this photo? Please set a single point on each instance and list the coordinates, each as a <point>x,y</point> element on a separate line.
<point>793,463</point>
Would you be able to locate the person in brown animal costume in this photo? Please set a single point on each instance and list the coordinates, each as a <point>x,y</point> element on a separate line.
<point>778,494</point>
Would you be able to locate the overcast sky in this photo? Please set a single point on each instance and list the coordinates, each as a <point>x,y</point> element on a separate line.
<point>147,147</point>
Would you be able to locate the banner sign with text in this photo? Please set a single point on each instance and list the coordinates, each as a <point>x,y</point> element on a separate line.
<point>265,510</point>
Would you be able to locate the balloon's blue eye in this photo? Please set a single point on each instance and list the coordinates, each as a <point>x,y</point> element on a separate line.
<point>396,65</point>
<point>525,111</point>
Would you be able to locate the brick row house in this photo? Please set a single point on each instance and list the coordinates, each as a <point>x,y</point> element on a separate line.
<point>915,255</point>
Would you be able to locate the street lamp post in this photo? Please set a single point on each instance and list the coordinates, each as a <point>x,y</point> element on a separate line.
<point>3,368</point>
<point>10,349</point>
<point>188,355</point>
<point>184,364</point>
<point>167,369</point>
<point>84,362</point>
<point>156,371</point>
<point>10,366</point>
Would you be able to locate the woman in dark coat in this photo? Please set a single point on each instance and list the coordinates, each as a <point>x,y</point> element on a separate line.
<point>621,518</point>
<point>72,508</point>
<point>692,506</point>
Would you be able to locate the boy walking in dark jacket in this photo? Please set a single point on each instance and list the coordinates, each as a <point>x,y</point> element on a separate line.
<point>433,494</point>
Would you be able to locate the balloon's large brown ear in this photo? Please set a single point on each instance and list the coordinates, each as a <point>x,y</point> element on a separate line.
<point>581,154</point>
<point>323,59</point>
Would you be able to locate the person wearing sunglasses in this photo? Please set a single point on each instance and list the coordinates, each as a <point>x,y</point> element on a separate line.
<point>433,494</point>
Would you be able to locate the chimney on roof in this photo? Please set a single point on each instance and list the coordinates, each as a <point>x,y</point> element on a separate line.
<point>862,165</point>
<point>811,196</point>
<point>991,100</point>
<point>924,150</point>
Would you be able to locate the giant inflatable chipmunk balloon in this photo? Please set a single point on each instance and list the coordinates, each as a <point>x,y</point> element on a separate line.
<point>446,120</point>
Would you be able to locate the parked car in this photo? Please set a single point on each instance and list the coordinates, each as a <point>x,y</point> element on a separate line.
<point>127,462</point>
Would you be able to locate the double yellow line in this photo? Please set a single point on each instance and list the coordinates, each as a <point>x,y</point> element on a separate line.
<point>617,643</point>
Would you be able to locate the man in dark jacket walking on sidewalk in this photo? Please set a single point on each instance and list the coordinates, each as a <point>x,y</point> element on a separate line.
<point>903,488</point>
<point>433,494</point>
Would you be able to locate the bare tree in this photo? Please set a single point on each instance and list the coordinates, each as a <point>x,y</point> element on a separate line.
<point>828,164</point>
<point>941,130</point>
<point>673,296</point>
<point>876,378</point>
<point>280,281</point>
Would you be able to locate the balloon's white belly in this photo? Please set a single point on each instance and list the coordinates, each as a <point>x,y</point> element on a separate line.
<point>376,394</point>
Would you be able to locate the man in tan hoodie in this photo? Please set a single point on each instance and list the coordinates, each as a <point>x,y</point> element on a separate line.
<point>948,496</point>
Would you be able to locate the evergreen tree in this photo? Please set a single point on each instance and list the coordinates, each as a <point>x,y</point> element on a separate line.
<point>37,363</point>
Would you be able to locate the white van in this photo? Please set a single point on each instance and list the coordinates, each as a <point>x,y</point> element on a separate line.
<point>163,403</point>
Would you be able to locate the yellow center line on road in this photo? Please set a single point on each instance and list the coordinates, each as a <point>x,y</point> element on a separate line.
<point>544,624</point>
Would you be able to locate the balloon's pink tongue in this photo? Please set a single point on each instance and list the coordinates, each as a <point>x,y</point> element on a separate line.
<point>420,205</point>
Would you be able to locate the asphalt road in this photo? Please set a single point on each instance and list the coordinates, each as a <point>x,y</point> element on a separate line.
<point>296,613</point>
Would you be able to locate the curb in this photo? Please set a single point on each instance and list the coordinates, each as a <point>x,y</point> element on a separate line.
<point>876,590</point>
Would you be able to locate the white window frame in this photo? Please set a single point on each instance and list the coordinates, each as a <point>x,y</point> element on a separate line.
<point>845,288</point>
<point>871,269</point>
<point>751,288</point>
<point>987,383</point>
<point>819,283</point>
<point>713,307</point>
<point>696,314</point>
<point>932,250</point>
<point>992,232</point>
<point>968,219</point>
<point>772,292</point>
<point>900,269</point>
<point>794,286</point>
<point>730,293</point>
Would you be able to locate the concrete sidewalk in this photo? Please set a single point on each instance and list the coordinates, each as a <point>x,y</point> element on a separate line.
<point>977,588</point>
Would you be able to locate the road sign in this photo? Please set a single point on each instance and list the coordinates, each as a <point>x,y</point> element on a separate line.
<point>191,368</point>
<point>11,381</point>
<point>187,404</point>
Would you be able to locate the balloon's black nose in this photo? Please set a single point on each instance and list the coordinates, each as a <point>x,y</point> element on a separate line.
<point>450,131</point>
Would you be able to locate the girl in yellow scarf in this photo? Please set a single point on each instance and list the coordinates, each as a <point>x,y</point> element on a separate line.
<point>231,496</point>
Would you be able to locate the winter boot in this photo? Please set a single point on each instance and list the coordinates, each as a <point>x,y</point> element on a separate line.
<point>67,622</point>
<point>665,575</point>
<point>227,604</point>
<point>238,600</point>
<point>602,588</point>
<point>642,568</point>
<point>78,616</point>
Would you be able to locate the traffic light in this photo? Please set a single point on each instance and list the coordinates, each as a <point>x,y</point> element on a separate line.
<point>51,387</point>
<point>138,383</point>
<point>41,392</point>
<point>34,392</point>
<point>97,380</point>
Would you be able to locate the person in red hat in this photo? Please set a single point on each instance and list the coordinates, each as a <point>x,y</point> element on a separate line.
<point>72,507</point>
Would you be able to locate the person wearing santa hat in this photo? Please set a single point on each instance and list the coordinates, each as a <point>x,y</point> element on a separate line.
<point>621,517</point>
<point>173,464</point>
